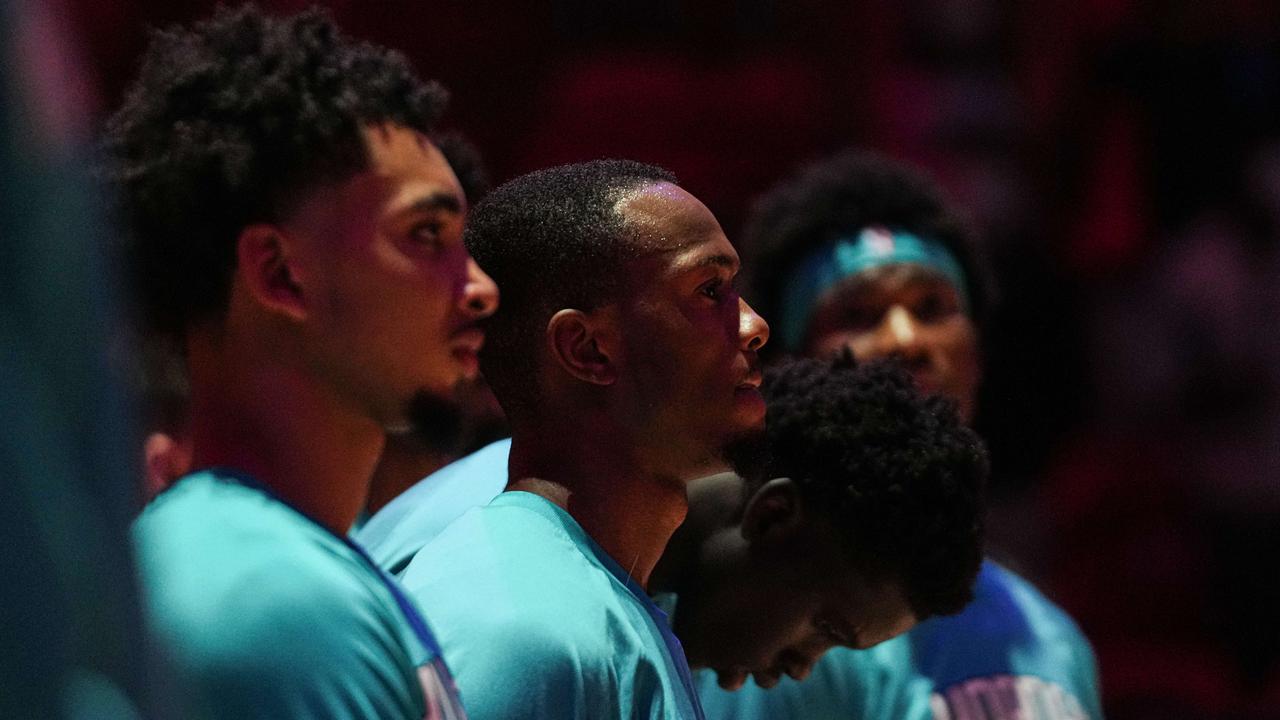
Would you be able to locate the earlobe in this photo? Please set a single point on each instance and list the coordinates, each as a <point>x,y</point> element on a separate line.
<point>582,344</point>
<point>774,513</point>
<point>265,266</point>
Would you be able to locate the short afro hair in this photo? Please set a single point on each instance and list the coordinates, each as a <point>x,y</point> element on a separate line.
<point>841,196</point>
<point>551,239</point>
<point>230,122</point>
<point>895,471</point>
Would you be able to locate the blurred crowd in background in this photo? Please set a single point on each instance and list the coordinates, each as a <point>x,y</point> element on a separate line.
<point>1119,158</point>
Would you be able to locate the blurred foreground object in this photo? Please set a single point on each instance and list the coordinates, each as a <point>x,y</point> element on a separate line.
<point>71,630</point>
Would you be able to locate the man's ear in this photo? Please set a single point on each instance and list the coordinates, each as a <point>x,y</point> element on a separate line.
<point>584,344</point>
<point>265,265</point>
<point>774,514</point>
<point>165,458</point>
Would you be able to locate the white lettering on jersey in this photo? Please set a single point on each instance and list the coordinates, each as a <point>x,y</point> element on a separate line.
<point>1006,697</point>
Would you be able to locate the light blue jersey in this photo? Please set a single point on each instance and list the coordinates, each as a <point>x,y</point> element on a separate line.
<point>264,613</point>
<point>536,621</point>
<point>396,533</point>
<point>1011,651</point>
<point>1010,655</point>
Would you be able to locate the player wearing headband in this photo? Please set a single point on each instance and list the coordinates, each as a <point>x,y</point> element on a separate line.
<point>299,234</point>
<point>862,253</point>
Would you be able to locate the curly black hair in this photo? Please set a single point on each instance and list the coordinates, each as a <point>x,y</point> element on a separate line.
<point>551,239</point>
<point>896,471</point>
<point>467,163</point>
<point>843,195</point>
<point>229,123</point>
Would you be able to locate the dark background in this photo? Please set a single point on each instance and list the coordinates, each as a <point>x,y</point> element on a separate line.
<point>1122,162</point>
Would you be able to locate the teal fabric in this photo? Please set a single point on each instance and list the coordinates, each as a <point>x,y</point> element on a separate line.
<point>1011,655</point>
<point>536,621</point>
<point>266,614</point>
<point>396,533</point>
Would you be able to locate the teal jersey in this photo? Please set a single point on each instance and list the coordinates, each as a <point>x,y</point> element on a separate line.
<point>264,613</point>
<point>1010,655</point>
<point>536,621</point>
<point>396,533</point>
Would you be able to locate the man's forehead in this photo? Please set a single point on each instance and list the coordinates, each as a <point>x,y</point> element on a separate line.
<point>387,143</point>
<point>666,218</point>
<point>415,165</point>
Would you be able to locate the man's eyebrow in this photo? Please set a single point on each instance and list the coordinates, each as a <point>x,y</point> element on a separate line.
<point>718,260</point>
<point>439,200</point>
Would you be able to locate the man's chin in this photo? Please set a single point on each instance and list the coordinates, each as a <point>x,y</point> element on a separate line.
<point>435,417</point>
<point>732,679</point>
<point>458,420</point>
<point>468,364</point>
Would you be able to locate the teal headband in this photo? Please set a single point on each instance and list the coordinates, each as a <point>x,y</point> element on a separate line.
<point>843,257</point>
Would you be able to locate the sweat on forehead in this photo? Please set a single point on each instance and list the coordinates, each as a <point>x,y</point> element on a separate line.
<point>664,217</point>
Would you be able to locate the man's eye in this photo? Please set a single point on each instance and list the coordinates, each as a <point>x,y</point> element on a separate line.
<point>712,289</point>
<point>426,233</point>
<point>931,307</point>
<point>862,317</point>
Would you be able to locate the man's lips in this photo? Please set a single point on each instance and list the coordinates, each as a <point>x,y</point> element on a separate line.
<point>922,372</point>
<point>731,679</point>
<point>735,677</point>
<point>465,346</point>
<point>467,340</point>
<point>769,677</point>
<point>753,380</point>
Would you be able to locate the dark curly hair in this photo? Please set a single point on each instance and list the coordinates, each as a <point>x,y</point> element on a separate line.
<point>467,163</point>
<point>229,123</point>
<point>551,239</point>
<point>897,472</point>
<point>841,196</point>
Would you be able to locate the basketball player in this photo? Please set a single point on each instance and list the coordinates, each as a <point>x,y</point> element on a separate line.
<point>299,234</point>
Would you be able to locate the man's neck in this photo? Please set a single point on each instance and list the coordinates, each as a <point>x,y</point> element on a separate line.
<point>286,431</point>
<point>715,503</point>
<point>405,460</point>
<point>629,510</point>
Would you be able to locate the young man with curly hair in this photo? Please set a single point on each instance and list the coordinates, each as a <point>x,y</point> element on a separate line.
<point>295,228</point>
<point>864,255</point>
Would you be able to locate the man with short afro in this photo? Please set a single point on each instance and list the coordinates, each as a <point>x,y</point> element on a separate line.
<point>572,251</point>
<point>296,232</point>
